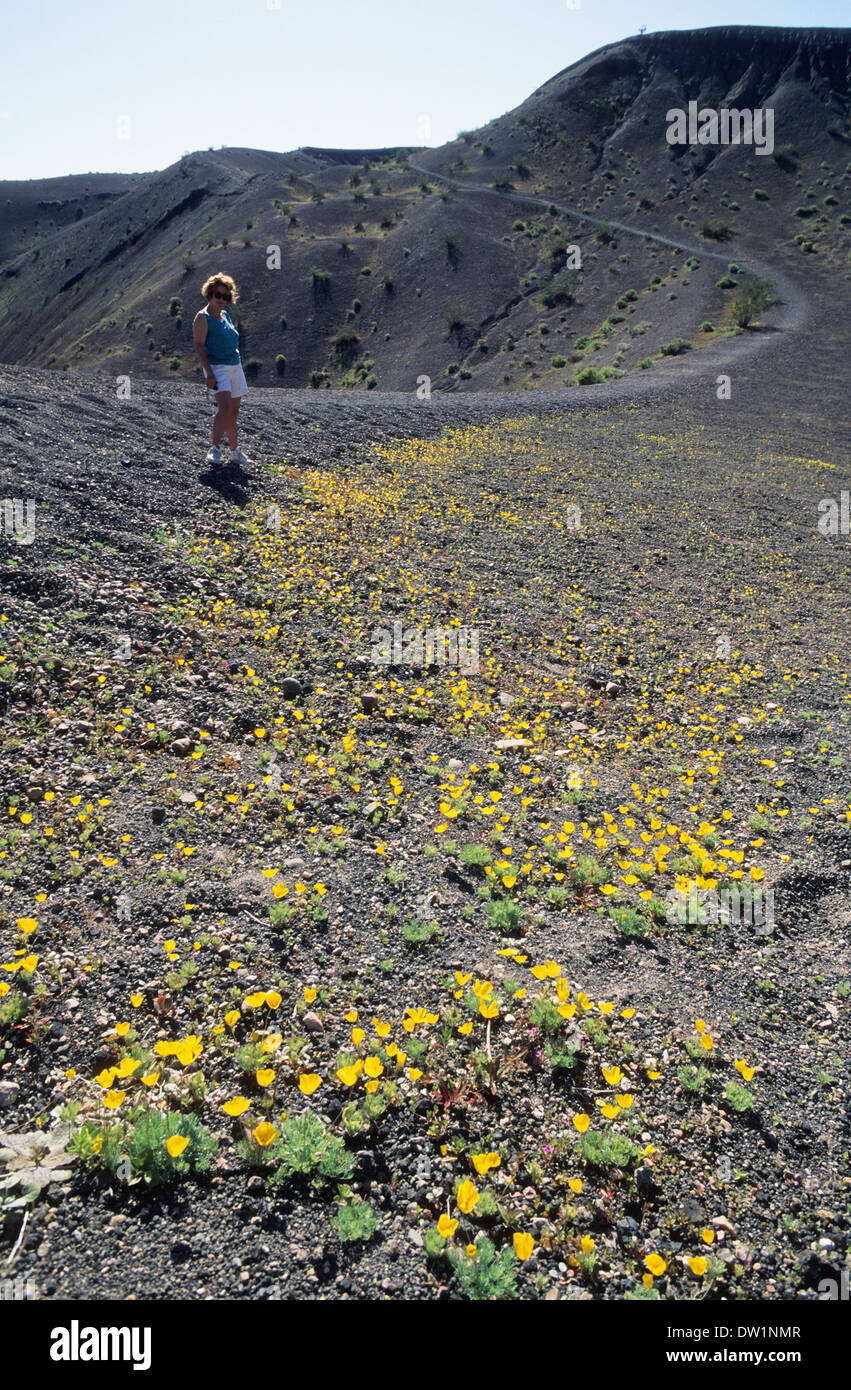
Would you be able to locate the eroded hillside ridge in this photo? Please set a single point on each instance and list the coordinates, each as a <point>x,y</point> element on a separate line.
<point>358,270</point>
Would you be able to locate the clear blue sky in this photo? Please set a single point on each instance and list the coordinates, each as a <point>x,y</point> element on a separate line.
<point>187,74</point>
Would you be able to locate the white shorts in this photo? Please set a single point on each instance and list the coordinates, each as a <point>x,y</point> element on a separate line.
<point>229,377</point>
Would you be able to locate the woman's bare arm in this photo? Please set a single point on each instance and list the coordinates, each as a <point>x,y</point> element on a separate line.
<point>199,335</point>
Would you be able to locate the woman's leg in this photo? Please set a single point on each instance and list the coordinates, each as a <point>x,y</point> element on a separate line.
<point>234,412</point>
<point>223,422</point>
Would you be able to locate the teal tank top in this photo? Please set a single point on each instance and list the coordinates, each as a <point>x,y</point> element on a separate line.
<point>222,345</point>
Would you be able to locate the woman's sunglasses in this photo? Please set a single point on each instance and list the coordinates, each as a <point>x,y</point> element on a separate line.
<point>217,294</point>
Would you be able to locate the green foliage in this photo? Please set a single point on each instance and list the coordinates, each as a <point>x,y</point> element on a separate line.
<point>738,1097</point>
<point>13,1008</point>
<point>544,1016</point>
<point>179,979</point>
<point>675,347</point>
<point>356,1221</point>
<point>629,921</point>
<point>504,917</point>
<point>305,1150</point>
<point>486,1275</point>
<point>418,933</point>
<point>642,1294</point>
<point>785,158</point>
<point>753,298</point>
<point>475,856</point>
<point>607,1150</point>
<point>717,230</point>
<point>250,1057</point>
<point>595,1030</point>
<point>143,1144</point>
<point>456,317</point>
<point>693,1079</point>
<point>281,913</point>
<point>94,1145</point>
<point>433,1242</point>
<point>587,871</point>
<point>560,1058</point>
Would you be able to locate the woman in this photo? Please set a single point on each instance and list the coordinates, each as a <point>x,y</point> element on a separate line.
<point>217,348</point>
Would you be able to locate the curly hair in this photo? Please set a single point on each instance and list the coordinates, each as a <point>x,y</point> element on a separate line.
<point>223,281</point>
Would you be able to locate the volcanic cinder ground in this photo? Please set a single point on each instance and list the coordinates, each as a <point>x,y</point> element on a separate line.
<point>309,958</point>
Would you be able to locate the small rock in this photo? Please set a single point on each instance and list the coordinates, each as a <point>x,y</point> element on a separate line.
<point>370,701</point>
<point>692,1210</point>
<point>723,1224</point>
<point>9,1092</point>
<point>313,1023</point>
<point>182,747</point>
<point>644,1180</point>
<point>290,688</point>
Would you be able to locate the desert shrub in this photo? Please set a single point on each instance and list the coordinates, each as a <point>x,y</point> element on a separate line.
<point>456,317</point>
<point>785,158</point>
<point>715,230</point>
<point>675,347</point>
<point>753,298</point>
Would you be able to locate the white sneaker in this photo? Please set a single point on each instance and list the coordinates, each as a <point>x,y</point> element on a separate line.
<point>237,456</point>
<point>214,455</point>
